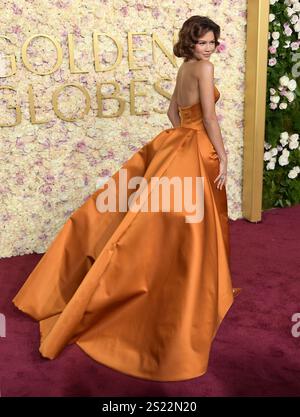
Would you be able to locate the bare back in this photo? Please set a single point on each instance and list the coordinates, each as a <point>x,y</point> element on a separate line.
<point>187,86</point>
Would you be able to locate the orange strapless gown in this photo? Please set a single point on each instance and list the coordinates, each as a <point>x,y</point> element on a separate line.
<point>141,292</point>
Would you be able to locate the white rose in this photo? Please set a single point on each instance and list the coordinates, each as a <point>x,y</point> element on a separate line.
<point>292,85</point>
<point>275,35</point>
<point>270,165</point>
<point>272,91</point>
<point>290,96</point>
<point>294,19</point>
<point>273,1</point>
<point>292,174</point>
<point>283,160</point>
<point>297,169</point>
<point>275,99</point>
<point>284,80</point>
<point>274,151</point>
<point>267,156</point>
<point>293,144</point>
<point>285,153</point>
<point>296,7</point>
<point>283,106</point>
<point>284,135</point>
<point>271,17</point>
<point>267,145</point>
<point>275,44</point>
<point>290,11</point>
<point>294,136</point>
<point>297,26</point>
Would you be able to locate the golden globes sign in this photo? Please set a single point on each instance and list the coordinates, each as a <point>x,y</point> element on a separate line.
<point>75,70</point>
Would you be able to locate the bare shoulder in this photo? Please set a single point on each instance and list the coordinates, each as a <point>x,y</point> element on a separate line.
<point>204,68</point>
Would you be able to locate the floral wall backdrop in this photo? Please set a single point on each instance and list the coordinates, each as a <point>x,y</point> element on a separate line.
<point>282,149</point>
<point>49,169</point>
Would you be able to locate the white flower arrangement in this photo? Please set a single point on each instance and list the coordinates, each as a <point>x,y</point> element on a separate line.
<point>48,169</point>
<point>270,154</point>
<point>285,89</point>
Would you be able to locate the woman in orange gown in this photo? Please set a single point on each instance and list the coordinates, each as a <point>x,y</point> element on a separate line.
<point>144,292</point>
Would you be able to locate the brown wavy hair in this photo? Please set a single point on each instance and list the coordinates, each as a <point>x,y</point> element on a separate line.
<point>192,29</point>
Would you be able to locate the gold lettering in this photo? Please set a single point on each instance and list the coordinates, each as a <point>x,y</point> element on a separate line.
<point>155,40</point>
<point>17,108</point>
<point>97,50</point>
<point>133,94</point>
<point>55,102</point>
<point>32,107</point>
<point>101,96</point>
<point>132,48</point>
<point>163,92</point>
<point>58,50</point>
<point>73,68</point>
<point>12,58</point>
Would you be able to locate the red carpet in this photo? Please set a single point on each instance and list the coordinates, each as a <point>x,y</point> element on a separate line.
<point>254,352</point>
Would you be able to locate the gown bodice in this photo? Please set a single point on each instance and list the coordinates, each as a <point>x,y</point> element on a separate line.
<point>191,116</point>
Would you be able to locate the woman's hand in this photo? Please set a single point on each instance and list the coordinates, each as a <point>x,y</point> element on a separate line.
<point>221,178</point>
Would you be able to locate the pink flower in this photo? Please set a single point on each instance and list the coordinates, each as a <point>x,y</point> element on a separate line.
<point>109,155</point>
<point>155,12</point>
<point>49,178</point>
<point>295,45</point>
<point>272,49</point>
<point>287,30</point>
<point>46,189</point>
<point>81,147</point>
<point>272,62</point>
<point>43,237</point>
<point>16,29</point>
<point>283,91</point>
<point>16,9</point>
<point>105,173</point>
<point>221,47</point>
<point>62,5</point>
<point>124,11</point>
<point>19,178</point>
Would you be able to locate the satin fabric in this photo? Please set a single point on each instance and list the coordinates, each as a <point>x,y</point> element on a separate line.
<point>141,292</point>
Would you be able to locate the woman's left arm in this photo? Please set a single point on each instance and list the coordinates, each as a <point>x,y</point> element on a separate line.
<point>173,113</point>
